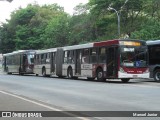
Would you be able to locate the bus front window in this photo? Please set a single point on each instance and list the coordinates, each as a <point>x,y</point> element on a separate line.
<point>127,57</point>
<point>31,59</point>
<point>141,58</point>
<point>133,57</point>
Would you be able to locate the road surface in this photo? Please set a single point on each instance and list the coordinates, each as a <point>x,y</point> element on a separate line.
<point>78,95</point>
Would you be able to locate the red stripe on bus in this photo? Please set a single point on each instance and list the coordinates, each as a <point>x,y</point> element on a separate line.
<point>106,43</point>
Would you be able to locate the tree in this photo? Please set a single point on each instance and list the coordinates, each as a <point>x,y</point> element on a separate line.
<point>56,32</point>
<point>19,22</point>
<point>6,43</point>
<point>80,25</point>
<point>148,31</point>
<point>26,28</point>
<point>133,14</point>
<point>38,27</point>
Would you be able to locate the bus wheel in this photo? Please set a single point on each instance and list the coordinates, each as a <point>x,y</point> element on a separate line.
<point>44,72</point>
<point>7,70</point>
<point>125,80</point>
<point>70,73</point>
<point>90,78</point>
<point>157,75</point>
<point>20,73</point>
<point>100,75</point>
<point>60,76</point>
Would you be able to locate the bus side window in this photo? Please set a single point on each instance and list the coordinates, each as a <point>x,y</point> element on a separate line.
<point>17,59</point>
<point>54,56</point>
<point>102,55</point>
<point>65,57</point>
<point>43,58</point>
<point>11,60</point>
<point>47,58</point>
<point>70,57</point>
<point>93,55</point>
<point>85,56</point>
<point>37,59</point>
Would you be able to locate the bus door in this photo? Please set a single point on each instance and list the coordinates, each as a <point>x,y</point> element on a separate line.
<point>24,62</point>
<point>112,65</point>
<point>4,63</point>
<point>78,62</point>
<point>52,62</point>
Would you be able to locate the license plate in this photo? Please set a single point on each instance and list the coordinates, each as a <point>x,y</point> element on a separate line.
<point>135,76</point>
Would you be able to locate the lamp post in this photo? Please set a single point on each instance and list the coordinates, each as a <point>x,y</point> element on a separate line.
<point>118,16</point>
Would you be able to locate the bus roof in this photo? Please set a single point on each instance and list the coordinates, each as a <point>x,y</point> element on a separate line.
<point>153,42</point>
<point>46,50</point>
<point>93,44</point>
<point>106,43</point>
<point>18,52</point>
<point>81,46</point>
<point>98,44</point>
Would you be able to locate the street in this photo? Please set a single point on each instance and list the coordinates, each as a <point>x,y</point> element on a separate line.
<point>56,94</point>
<point>55,57</point>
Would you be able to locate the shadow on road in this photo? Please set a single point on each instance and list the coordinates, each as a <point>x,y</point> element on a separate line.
<point>108,81</point>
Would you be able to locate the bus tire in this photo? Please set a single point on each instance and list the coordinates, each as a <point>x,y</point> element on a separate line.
<point>7,70</point>
<point>157,75</point>
<point>75,77</point>
<point>43,72</point>
<point>70,73</point>
<point>125,80</point>
<point>60,76</point>
<point>90,78</point>
<point>20,73</point>
<point>100,75</point>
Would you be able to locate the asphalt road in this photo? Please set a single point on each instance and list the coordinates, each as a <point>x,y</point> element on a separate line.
<point>79,95</point>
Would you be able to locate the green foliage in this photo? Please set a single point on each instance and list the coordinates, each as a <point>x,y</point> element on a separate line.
<point>80,29</point>
<point>56,32</point>
<point>26,28</point>
<point>47,26</point>
<point>149,31</point>
<point>6,42</point>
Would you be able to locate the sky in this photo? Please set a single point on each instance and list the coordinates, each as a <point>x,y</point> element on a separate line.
<point>6,8</point>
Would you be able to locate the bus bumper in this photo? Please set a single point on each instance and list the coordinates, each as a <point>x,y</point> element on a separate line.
<point>127,75</point>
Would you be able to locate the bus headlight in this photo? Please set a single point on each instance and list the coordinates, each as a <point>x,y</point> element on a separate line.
<point>147,70</point>
<point>121,70</point>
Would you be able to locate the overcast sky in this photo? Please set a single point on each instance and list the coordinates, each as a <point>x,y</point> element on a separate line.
<point>6,8</point>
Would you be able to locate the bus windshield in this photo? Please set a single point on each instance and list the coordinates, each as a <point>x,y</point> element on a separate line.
<point>31,58</point>
<point>132,56</point>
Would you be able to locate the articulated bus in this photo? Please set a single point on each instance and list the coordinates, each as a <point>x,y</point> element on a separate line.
<point>154,59</point>
<point>112,59</point>
<point>21,62</point>
<point>44,62</point>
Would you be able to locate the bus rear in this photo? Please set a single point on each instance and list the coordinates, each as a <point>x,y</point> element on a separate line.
<point>20,62</point>
<point>133,60</point>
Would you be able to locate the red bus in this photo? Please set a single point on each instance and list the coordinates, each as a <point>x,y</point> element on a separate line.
<point>21,62</point>
<point>112,59</point>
